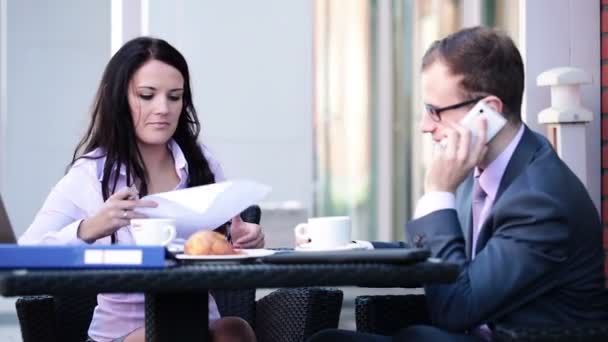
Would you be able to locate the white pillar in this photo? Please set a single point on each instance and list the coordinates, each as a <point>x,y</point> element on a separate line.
<point>129,20</point>
<point>555,33</point>
<point>567,118</point>
<point>385,106</point>
<point>3,90</point>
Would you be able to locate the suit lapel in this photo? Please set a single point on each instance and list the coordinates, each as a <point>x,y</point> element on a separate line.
<point>464,211</point>
<point>523,154</point>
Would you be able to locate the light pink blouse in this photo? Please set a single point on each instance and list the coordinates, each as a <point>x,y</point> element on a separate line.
<point>78,196</point>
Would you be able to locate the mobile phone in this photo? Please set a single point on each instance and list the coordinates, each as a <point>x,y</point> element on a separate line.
<point>494,119</point>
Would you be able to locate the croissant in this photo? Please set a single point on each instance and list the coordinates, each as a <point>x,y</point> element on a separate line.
<point>208,243</point>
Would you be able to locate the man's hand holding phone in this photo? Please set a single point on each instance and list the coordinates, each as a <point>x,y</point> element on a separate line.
<point>495,121</point>
<point>461,150</point>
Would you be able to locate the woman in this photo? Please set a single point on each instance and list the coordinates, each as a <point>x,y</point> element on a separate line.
<point>142,139</point>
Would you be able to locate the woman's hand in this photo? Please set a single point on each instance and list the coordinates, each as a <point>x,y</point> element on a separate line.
<point>116,212</point>
<point>246,235</point>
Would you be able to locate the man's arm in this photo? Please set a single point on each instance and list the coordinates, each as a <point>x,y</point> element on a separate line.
<point>430,202</point>
<point>518,263</point>
<point>398,244</point>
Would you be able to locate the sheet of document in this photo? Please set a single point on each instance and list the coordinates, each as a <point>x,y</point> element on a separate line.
<point>207,206</point>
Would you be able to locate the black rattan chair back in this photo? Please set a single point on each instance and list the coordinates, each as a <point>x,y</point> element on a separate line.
<point>297,313</point>
<point>58,318</point>
<point>240,303</point>
<point>73,315</point>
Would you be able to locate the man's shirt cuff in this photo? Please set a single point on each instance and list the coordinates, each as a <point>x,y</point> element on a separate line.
<point>365,244</point>
<point>434,201</point>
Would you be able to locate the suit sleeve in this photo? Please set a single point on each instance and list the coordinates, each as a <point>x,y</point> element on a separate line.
<point>398,244</point>
<point>519,261</point>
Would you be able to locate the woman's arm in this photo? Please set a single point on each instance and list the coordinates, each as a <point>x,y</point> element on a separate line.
<point>64,209</point>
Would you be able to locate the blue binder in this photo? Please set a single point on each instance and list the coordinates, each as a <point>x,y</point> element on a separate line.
<point>14,256</point>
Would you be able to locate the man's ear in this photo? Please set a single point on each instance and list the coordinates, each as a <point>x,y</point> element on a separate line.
<point>494,103</point>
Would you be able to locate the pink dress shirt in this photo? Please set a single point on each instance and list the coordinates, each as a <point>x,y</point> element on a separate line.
<point>489,181</point>
<point>78,196</point>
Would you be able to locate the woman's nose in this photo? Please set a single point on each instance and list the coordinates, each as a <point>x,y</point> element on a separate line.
<point>162,106</point>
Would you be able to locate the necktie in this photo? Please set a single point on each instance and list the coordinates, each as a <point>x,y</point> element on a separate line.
<point>477,203</point>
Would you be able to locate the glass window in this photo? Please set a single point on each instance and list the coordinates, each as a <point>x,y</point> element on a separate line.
<point>342,119</point>
<point>503,14</point>
<point>348,132</point>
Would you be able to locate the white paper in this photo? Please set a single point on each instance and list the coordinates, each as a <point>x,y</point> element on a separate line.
<point>207,206</point>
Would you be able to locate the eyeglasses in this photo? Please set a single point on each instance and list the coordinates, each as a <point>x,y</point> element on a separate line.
<point>435,111</point>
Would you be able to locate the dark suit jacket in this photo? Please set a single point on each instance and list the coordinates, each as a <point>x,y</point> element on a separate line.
<point>539,257</point>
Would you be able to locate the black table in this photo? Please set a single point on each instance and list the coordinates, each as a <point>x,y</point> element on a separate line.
<point>176,297</point>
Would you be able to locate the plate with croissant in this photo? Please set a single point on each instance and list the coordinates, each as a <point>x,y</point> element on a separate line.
<point>209,245</point>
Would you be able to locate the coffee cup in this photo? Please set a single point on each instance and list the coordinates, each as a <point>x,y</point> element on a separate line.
<point>153,232</point>
<point>324,232</point>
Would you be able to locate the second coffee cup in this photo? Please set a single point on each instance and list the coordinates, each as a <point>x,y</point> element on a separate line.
<point>324,232</point>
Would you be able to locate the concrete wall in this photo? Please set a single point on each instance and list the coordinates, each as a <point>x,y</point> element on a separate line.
<point>251,66</point>
<point>54,52</point>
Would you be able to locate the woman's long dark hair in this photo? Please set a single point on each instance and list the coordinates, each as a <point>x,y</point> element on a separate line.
<point>112,127</point>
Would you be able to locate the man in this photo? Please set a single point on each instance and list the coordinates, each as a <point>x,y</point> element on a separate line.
<point>510,212</point>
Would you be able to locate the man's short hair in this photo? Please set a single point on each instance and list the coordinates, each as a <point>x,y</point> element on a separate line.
<point>489,63</point>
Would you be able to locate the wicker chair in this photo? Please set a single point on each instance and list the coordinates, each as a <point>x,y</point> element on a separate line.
<point>284,315</point>
<point>386,315</point>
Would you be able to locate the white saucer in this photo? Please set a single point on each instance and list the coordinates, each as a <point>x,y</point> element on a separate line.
<point>306,247</point>
<point>243,254</point>
<point>175,248</point>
